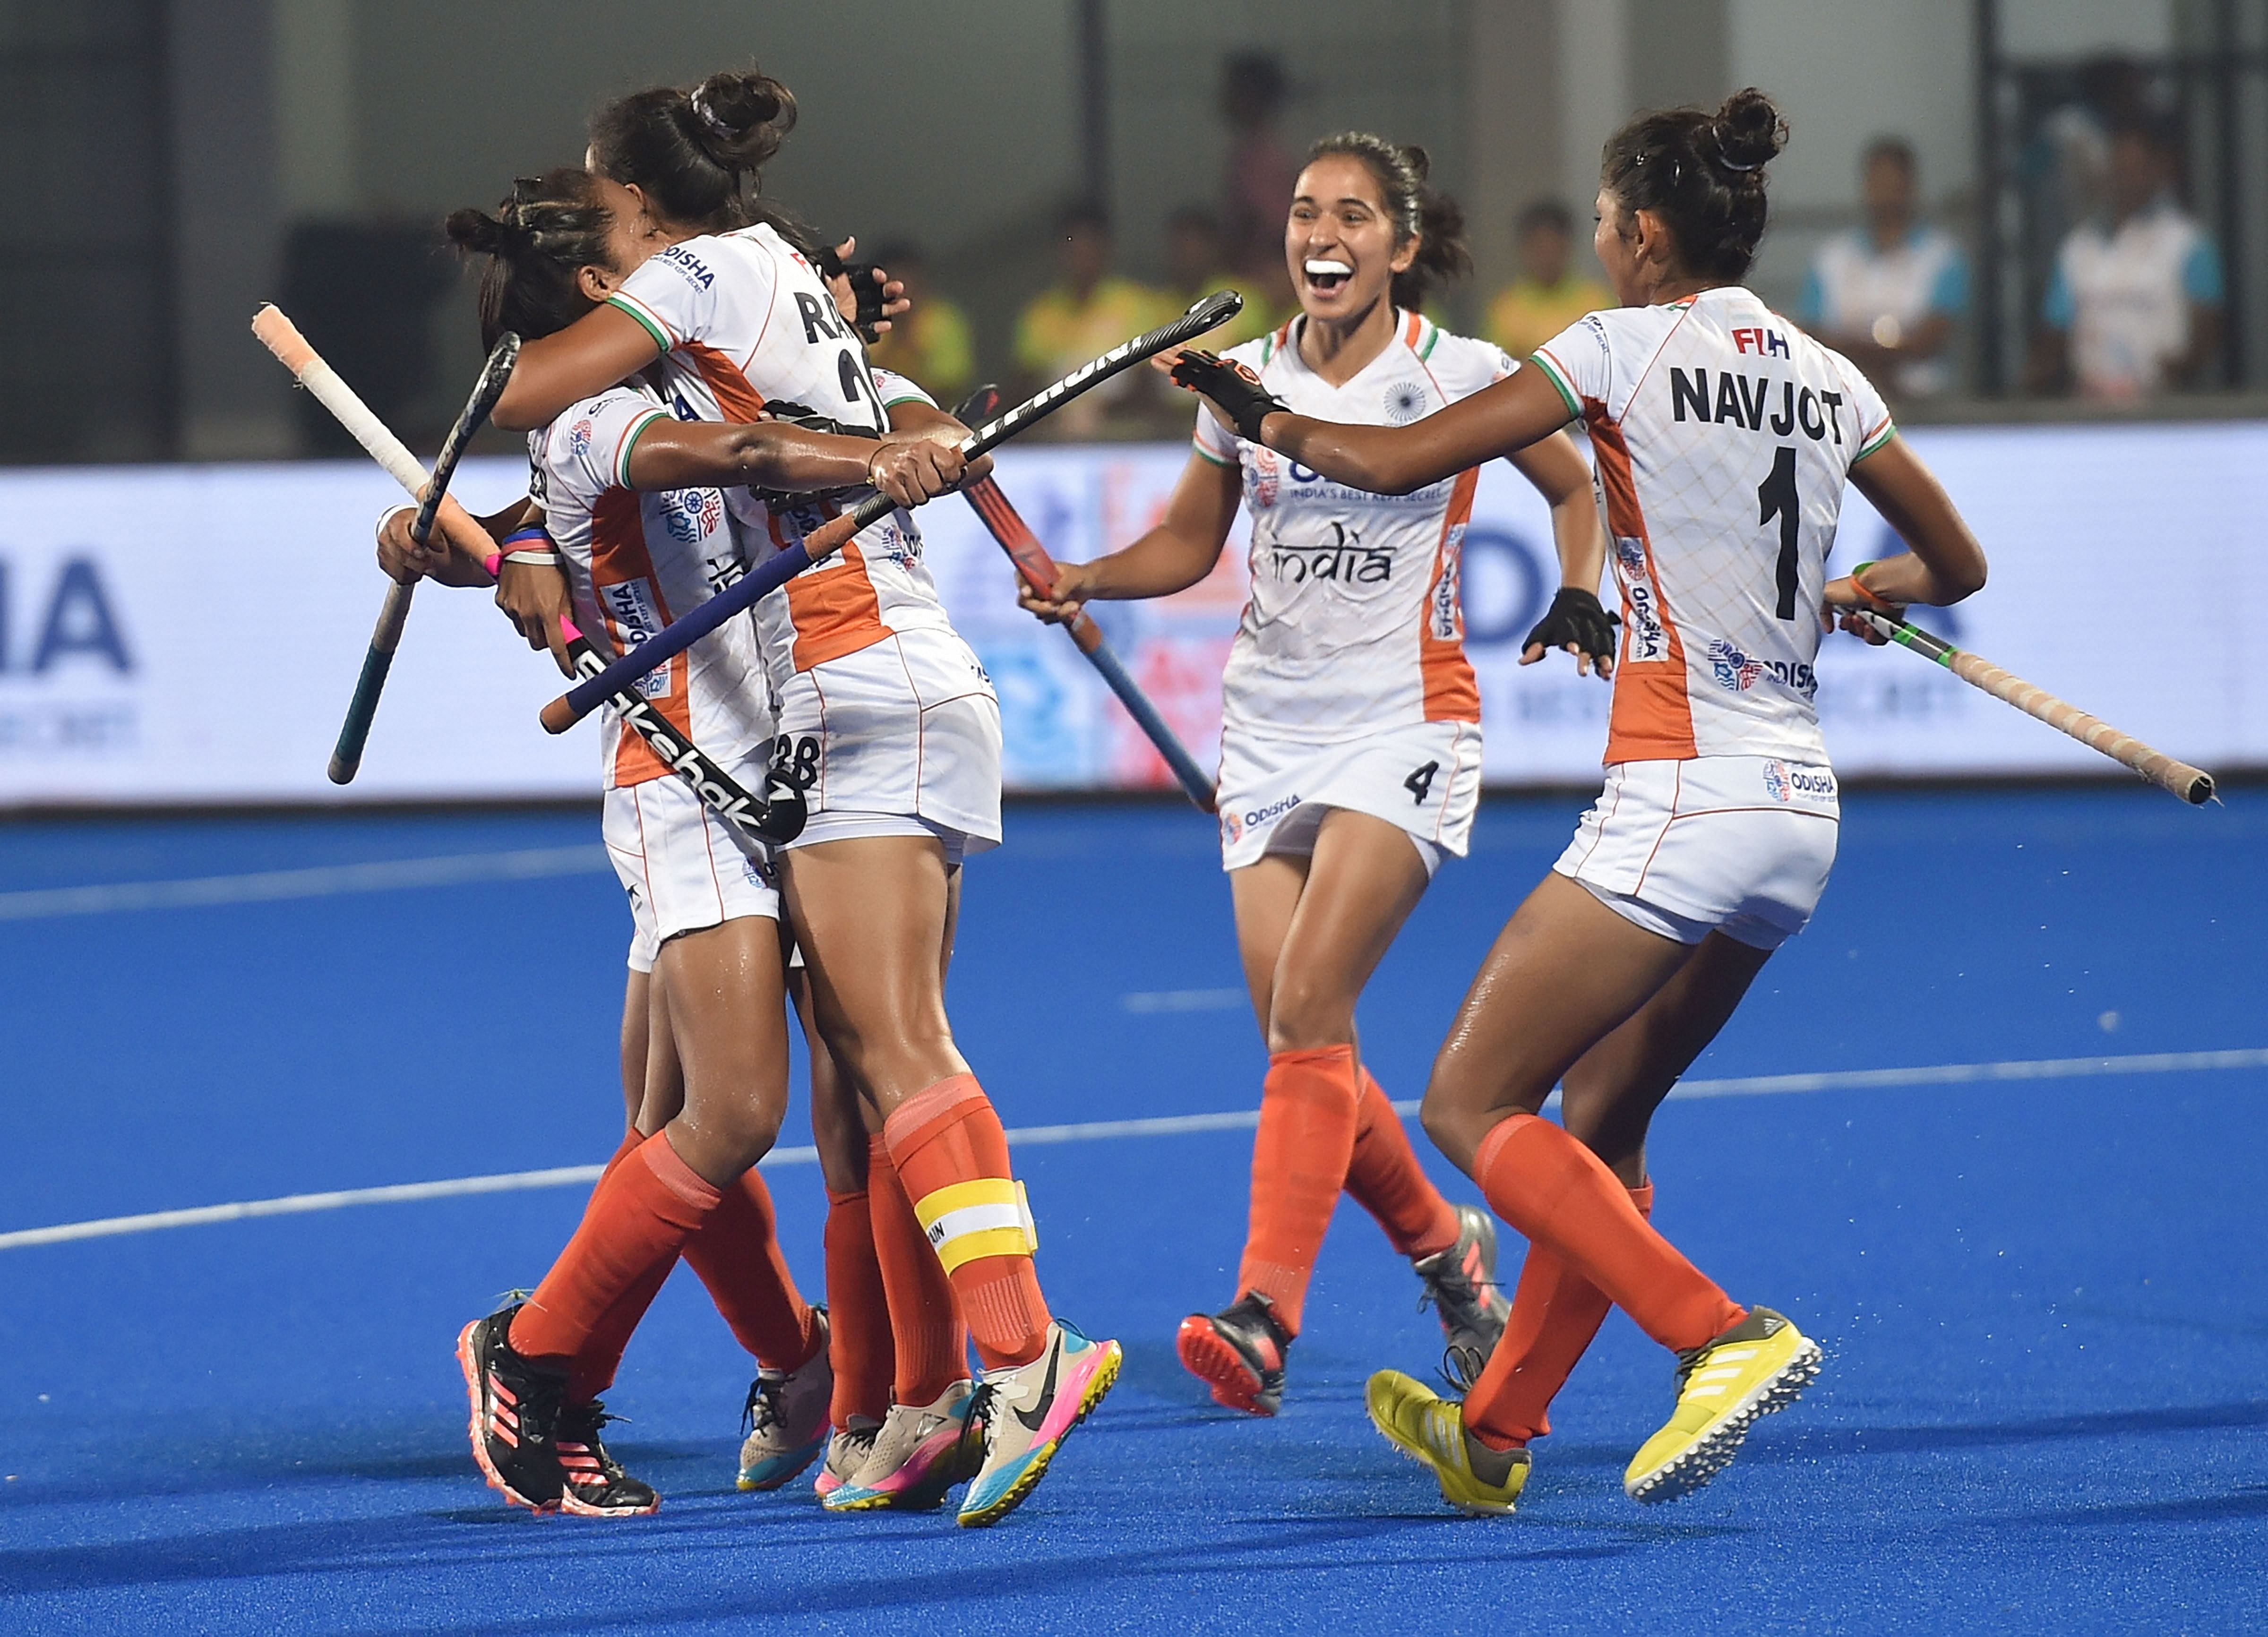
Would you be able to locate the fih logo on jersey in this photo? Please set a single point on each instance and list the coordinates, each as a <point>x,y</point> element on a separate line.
<point>1405,401</point>
<point>1769,343</point>
<point>1649,642</point>
<point>1776,784</point>
<point>691,515</point>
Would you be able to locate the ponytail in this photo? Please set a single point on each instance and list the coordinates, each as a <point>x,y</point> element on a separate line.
<point>549,229</point>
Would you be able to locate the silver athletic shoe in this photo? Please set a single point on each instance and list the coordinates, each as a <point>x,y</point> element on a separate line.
<point>787,1418</point>
<point>846,1457</point>
<point>922,1450</point>
<point>1460,1288</point>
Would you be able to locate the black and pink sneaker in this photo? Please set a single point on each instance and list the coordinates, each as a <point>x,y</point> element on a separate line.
<point>1239,1353</point>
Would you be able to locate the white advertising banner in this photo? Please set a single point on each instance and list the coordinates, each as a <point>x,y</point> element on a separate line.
<point>186,635</point>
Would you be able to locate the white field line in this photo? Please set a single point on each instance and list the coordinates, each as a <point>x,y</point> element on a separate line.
<point>320,881</point>
<point>1185,1000</point>
<point>1167,1126</point>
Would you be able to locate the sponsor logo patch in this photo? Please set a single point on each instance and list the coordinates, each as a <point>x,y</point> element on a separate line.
<point>1776,784</point>
<point>1739,671</point>
<point>1648,640</point>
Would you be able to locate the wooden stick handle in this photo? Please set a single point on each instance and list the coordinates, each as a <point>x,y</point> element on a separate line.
<point>2193,785</point>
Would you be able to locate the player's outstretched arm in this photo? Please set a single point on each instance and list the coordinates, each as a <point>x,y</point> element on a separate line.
<point>604,346</point>
<point>909,467</point>
<point>1943,564</point>
<point>1173,556</point>
<point>1520,410</point>
<point>1576,623</point>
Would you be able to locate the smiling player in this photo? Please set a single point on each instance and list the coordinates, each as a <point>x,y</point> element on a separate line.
<point>1351,748</point>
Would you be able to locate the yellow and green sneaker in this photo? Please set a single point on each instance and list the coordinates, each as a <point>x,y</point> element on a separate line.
<point>1759,1366</point>
<point>1430,1428</point>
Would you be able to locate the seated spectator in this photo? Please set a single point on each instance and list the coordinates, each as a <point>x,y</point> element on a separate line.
<point>2134,306</point>
<point>1090,312</point>
<point>932,344</point>
<point>1549,295</point>
<point>1195,267</point>
<point>1888,295</point>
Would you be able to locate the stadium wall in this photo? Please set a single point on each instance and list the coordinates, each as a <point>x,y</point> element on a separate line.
<point>190,635</point>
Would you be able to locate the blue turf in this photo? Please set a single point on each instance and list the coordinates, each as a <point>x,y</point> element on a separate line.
<point>2045,1404</point>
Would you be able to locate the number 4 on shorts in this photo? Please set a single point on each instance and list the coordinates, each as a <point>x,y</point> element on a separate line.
<point>1420,781</point>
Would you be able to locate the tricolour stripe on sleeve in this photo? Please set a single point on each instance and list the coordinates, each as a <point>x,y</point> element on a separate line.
<point>1875,439</point>
<point>1558,376</point>
<point>648,319</point>
<point>630,441</point>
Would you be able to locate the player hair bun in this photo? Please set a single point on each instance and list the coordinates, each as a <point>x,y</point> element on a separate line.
<point>1750,131</point>
<point>1702,175</point>
<point>478,233</point>
<point>740,119</point>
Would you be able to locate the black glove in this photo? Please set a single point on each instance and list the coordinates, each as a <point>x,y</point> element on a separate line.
<point>1238,391</point>
<point>865,288</point>
<point>1575,616</point>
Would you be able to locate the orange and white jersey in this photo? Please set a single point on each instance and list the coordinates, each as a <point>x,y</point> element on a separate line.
<point>636,561</point>
<point>1355,622</point>
<point>746,322</point>
<point>1722,435</point>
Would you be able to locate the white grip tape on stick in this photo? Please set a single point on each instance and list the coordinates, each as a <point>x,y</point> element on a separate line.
<point>282,337</point>
<point>2159,768</point>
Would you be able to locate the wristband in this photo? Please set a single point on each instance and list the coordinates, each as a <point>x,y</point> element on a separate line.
<point>495,561</point>
<point>1875,601</point>
<point>386,514</point>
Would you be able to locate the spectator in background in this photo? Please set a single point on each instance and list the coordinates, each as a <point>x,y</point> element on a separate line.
<point>1549,295</point>
<point>1888,295</point>
<point>932,344</point>
<point>2134,306</point>
<point>1262,171</point>
<point>1090,311</point>
<point>1194,267</point>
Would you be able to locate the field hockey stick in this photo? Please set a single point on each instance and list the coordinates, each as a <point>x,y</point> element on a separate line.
<point>1038,569</point>
<point>282,337</point>
<point>776,819</point>
<point>2193,785</point>
<point>831,536</point>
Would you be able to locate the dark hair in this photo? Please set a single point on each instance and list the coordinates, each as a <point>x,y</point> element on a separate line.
<point>1543,213</point>
<point>697,154</point>
<point>1896,149</point>
<point>550,227</point>
<point>1703,174</point>
<point>1418,212</point>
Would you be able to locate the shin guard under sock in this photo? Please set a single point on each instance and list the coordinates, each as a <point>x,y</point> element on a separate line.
<point>952,1159</point>
<point>1385,1178</point>
<point>932,1342</point>
<point>1299,1158</point>
<point>1564,1199</point>
<point>857,1314</point>
<point>738,1256</point>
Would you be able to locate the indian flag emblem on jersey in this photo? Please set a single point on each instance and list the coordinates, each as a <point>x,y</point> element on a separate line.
<point>1405,401</point>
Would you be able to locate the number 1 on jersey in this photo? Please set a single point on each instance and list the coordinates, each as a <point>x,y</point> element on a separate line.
<point>1776,498</point>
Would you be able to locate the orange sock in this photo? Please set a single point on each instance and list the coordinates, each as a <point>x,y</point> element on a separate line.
<point>1307,1120</point>
<point>594,1369</point>
<point>637,1223</point>
<point>1385,1178</point>
<point>1555,1313</point>
<point>857,1315</point>
<point>738,1256</point>
<point>1562,1197</point>
<point>933,1343</point>
<point>952,1159</point>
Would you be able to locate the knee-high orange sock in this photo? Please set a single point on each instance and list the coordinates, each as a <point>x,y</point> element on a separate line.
<point>1307,1120</point>
<point>1562,1197</point>
<point>933,1343</point>
<point>952,1158</point>
<point>639,1221</point>
<point>738,1256</point>
<point>594,1369</point>
<point>1385,1178</point>
<point>858,1315</point>
<point>1555,1313</point>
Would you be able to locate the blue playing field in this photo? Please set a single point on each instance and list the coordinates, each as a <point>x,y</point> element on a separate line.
<point>2045,1404</point>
